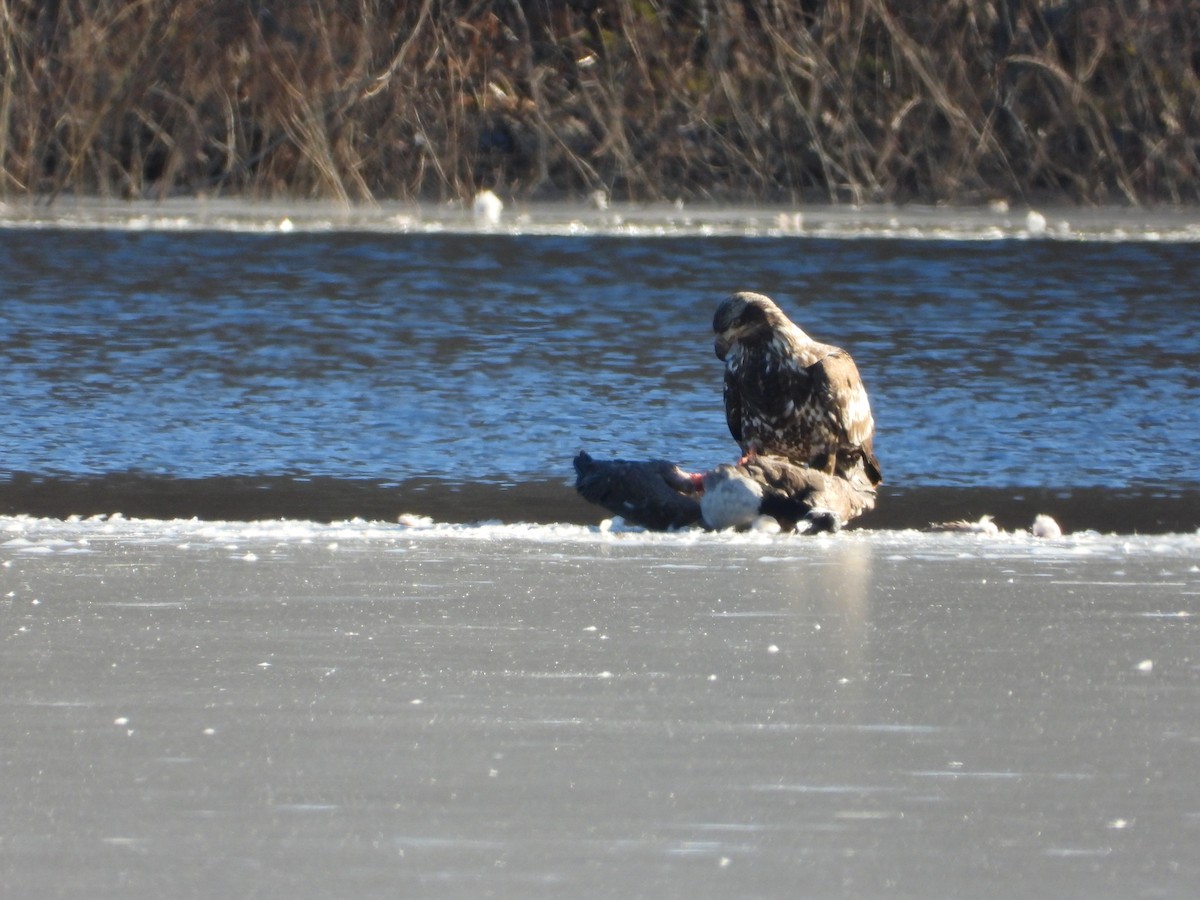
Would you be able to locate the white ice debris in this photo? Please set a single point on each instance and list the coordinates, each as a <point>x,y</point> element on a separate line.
<point>984,525</point>
<point>411,520</point>
<point>618,525</point>
<point>790,223</point>
<point>1035,222</point>
<point>1045,527</point>
<point>487,209</point>
<point>766,525</point>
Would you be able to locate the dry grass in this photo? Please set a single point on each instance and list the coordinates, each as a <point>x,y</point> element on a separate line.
<point>842,100</point>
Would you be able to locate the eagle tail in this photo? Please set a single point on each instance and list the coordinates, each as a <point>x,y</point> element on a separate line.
<point>872,467</point>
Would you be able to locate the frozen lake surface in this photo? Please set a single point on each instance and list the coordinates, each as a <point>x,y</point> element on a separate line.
<point>288,709</point>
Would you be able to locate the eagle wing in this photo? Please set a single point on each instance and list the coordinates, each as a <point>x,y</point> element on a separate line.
<point>733,405</point>
<point>846,407</point>
<point>836,381</point>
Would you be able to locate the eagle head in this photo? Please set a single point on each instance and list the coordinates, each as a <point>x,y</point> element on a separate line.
<point>744,315</point>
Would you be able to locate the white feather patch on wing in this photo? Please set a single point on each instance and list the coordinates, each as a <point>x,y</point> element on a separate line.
<point>859,422</point>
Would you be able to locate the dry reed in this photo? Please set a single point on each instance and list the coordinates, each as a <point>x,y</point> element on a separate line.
<point>732,100</point>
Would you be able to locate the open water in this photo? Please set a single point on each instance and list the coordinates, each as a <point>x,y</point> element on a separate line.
<point>256,641</point>
<point>368,365</point>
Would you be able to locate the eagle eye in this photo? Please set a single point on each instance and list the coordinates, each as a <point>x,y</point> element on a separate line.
<point>751,315</point>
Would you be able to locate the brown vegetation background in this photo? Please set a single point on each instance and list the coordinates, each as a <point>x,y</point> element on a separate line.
<point>730,100</point>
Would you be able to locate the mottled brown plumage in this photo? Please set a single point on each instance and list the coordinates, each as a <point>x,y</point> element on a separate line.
<point>791,396</point>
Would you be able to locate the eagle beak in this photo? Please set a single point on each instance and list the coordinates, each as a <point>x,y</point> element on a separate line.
<point>721,345</point>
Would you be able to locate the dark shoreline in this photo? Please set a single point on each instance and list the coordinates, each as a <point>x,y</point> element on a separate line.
<point>546,501</point>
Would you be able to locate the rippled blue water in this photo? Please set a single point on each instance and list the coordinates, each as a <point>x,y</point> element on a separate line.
<point>470,357</point>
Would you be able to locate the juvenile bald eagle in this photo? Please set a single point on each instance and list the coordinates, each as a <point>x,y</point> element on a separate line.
<point>788,395</point>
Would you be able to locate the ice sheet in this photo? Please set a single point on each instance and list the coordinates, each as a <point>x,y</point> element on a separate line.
<point>203,709</point>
